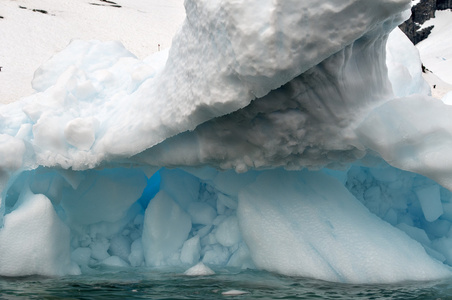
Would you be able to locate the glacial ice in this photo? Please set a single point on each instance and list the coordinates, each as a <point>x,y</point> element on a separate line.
<point>283,136</point>
<point>199,269</point>
<point>309,213</point>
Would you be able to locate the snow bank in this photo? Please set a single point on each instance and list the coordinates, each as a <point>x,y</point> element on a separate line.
<point>164,161</point>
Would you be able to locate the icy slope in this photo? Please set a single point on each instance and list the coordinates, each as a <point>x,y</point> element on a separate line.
<point>436,51</point>
<point>436,55</point>
<point>281,85</point>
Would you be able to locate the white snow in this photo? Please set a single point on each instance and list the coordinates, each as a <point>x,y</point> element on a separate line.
<point>234,293</point>
<point>199,269</point>
<point>436,50</point>
<point>29,38</point>
<point>447,99</point>
<point>438,87</point>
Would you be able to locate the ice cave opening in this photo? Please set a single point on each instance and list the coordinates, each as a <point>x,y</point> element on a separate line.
<point>364,224</point>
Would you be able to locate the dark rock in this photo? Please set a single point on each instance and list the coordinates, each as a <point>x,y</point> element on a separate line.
<point>421,12</point>
<point>107,1</point>
<point>443,4</point>
<point>41,11</point>
<point>110,3</point>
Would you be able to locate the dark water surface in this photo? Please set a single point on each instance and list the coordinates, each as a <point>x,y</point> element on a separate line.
<point>151,284</point>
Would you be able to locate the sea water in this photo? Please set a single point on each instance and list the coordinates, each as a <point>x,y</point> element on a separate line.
<point>172,284</point>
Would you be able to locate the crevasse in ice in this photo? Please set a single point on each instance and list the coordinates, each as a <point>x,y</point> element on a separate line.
<point>289,136</point>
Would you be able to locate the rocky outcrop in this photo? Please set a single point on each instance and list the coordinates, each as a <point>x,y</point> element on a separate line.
<point>443,4</point>
<point>420,13</point>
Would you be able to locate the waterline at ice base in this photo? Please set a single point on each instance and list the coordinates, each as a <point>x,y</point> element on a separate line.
<point>295,137</point>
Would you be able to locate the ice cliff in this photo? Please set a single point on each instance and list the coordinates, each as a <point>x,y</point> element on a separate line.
<point>289,136</point>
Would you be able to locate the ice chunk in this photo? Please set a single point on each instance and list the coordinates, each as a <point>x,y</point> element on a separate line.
<point>99,249</point>
<point>136,256</point>
<point>199,270</point>
<point>224,202</point>
<point>181,186</point>
<point>415,146</point>
<point>391,217</point>
<point>120,246</point>
<point>444,246</point>
<point>166,228</point>
<point>80,132</point>
<point>228,232</point>
<point>201,213</point>
<point>114,261</point>
<point>204,231</point>
<point>11,151</point>
<point>309,213</point>
<point>190,252</point>
<point>430,202</point>
<point>435,254</point>
<point>415,233</point>
<point>81,256</point>
<point>34,240</point>
<point>437,229</point>
<point>234,293</point>
<point>241,258</point>
<point>447,207</point>
<point>216,255</point>
<point>404,63</point>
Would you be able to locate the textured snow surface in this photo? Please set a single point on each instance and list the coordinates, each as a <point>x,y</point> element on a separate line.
<point>30,37</point>
<point>436,51</point>
<point>183,158</point>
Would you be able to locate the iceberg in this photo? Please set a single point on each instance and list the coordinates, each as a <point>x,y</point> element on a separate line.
<point>294,137</point>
